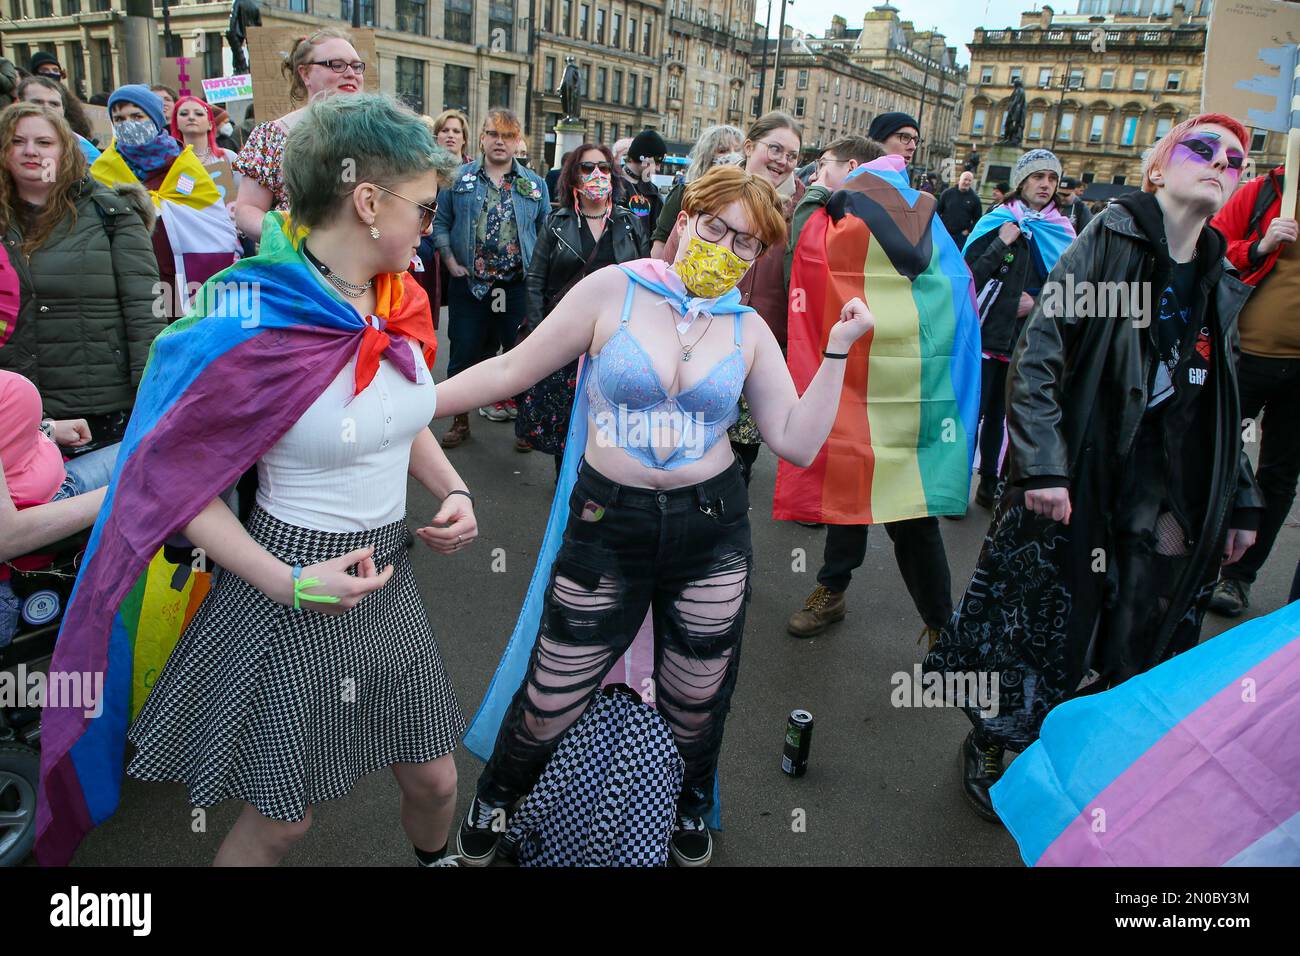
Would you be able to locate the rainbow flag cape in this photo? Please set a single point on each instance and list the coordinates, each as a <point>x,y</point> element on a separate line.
<point>202,235</point>
<point>261,342</point>
<point>903,440</point>
<point>1194,763</point>
<point>638,661</point>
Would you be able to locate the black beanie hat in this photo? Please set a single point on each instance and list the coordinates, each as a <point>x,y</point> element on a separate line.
<point>647,143</point>
<point>887,124</point>
<point>41,58</point>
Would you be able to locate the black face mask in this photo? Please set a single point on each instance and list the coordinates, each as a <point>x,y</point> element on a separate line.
<point>523,162</point>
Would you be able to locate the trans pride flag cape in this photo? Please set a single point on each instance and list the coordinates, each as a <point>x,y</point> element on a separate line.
<point>638,661</point>
<point>261,342</point>
<point>1194,763</point>
<point>201,233</point>
<point>1049,233</point>
<point>903,440</point>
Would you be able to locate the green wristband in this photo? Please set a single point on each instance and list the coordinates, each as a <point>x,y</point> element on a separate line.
<point>300,586</point>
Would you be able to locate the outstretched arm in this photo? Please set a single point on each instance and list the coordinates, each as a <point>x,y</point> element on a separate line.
<point>796,427</point>
<point>565,335</point>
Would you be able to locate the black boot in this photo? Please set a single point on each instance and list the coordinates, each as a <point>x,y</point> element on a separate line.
<point>987,491</point>
<point>981,766</point>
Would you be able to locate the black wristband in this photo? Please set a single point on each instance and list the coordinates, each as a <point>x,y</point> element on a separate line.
<point>460,491</point>
<point>842,355</point>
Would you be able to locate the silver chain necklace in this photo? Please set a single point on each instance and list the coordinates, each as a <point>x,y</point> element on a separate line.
<point>349,289</point>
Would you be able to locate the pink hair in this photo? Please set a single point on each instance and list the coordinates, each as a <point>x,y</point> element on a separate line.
<point>1158,158</point>
<point>213,148</point>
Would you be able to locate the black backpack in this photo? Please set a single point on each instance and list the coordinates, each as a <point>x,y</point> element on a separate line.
<point>609,795</point>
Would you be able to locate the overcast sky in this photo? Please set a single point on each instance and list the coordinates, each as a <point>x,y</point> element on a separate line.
<point>955,19</point>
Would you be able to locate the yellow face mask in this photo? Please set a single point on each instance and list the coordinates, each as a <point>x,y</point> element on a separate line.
<point>708,269</point>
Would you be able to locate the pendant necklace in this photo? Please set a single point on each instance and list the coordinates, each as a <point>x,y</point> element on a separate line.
<point>688,349</point>
<point>349,289</point>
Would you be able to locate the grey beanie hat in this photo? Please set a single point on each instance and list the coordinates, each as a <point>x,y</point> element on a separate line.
<point>1032,162</point>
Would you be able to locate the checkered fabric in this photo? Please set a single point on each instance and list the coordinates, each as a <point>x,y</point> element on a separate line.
<point>283,708</point>
<point>609,795</point>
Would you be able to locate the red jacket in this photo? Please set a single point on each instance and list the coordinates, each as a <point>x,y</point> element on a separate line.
<point>1233,220</point>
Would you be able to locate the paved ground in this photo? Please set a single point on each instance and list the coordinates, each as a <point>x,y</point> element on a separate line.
<point>882,786</point>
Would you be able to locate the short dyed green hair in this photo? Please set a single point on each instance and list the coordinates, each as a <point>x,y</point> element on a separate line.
<point>343,141</point>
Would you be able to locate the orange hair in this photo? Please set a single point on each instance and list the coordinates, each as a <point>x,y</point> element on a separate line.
<point>723,185</point>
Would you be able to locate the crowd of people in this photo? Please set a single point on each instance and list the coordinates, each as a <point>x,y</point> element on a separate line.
<point>580,306</point>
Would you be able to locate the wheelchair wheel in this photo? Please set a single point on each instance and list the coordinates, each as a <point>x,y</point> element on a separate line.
<point>20,768</point>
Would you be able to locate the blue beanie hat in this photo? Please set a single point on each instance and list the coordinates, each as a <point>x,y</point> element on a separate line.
<point>143,97</point>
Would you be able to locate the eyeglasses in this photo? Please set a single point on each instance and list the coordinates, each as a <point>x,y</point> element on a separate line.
<point>908,138</point>
<point>826,160</point>
<point>342,66</point>
<point>505,137</point>
<point>426,212</point>
<point>777,151</point>
<point>1205,146</point>
<point>745,246</point>
<point>588,168</point>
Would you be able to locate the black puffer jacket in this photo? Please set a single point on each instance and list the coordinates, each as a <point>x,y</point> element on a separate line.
<point>88,312</point>
<point>558,257</point>
<point>992,259</point>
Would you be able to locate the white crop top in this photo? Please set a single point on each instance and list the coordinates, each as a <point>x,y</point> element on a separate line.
<point>343,465</point>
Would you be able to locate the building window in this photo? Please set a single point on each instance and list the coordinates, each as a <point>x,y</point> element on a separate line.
<point>413,17</point>
<point>616,88</point>
<point>1174,82</point>
<point>1098,129</point>
<point>645,35</point>
<point>631,34</point>
<point>45,8</point>
<point>501,25</point>
<point>566,16</point>
<point>978,121</point>
<point>1107,79</point>
<point>71,7</point>
<point>600,131</point>
<point>410,82</point>
<point>586,79</point>
<point>835,113</point>
<point>1017,73</point>
<point>600,26</point>
<point>986,75</point>
<point>548,16</point>
<point>1162,126</point>
<point>780,79</point>
<point>77,77</point>
<point>631,89</point>
<point>1258,138</point>
<point>803,79</point>
<point>616,31</point>
<point>548,74</point>
<point>1088,177</point>
<point>701,54</point>
<point>455,88</point>
<point>1076,78</point>
<point>499,90</point>
<point>673,82</point>
<point>1139,80</point>
<point>645,92</point>
<point>717,61</point>
<point>367,12</point>
<point>602,76</point>
<point>1129,136</point>
<point>695,127</point>
<point>212,65</point>
<point>1036,124</point>
<point>699,92</point>
<point>672,124</point>
<point>584,15</point>
<point>735,98</point>
<point>103,53</point>
<point>713,96</point>
<point>1066,132</point>
<point>1117,180</point>
<point>1044,77</point>
<point>458,20</point>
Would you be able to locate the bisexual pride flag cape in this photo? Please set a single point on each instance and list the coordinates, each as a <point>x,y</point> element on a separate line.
<point>1194,763</point>
<point>637,662</point>
<point>199,227</point>
<point>903,440</point>
<point>261,342</point>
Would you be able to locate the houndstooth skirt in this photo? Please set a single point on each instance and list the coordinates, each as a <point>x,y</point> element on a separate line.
<point>283,708</point>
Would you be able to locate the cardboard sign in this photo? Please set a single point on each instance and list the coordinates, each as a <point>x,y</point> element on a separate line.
<point>225,89</point>
<point>184,74</point>
<point>268,48</point>
<point>224,177</point>
<point>1250,60</point>
<point>100,126</point>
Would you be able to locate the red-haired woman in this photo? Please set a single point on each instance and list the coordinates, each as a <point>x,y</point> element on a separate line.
<point>1128,483</point>
<point>585,232</point>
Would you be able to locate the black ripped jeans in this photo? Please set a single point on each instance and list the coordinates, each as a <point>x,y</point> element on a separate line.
<point>685,556</point>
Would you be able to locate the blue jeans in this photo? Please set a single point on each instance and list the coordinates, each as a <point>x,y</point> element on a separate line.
<point>88,472</point>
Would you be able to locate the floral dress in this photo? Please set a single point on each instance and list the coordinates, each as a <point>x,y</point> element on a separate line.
<point>260,160</point>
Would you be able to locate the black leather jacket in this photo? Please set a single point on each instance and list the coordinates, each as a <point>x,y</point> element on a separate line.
<point>1067,370</point>
<point>558,257</point>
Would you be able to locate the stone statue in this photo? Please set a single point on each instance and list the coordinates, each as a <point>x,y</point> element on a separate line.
<point>1014,129</point>
<point>571,90</point>
<point>243,14</point>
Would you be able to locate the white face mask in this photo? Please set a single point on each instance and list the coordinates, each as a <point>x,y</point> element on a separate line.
<point>134,132</point>
<point>226,129</point>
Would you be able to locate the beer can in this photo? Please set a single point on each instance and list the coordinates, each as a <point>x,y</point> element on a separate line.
<point>798,741</point>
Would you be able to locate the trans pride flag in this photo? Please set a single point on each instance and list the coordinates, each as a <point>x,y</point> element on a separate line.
<point>261,342</point>
<point>1194,763</point>
<point>903,440</point>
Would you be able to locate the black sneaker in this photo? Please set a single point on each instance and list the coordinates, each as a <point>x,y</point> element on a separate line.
<point>479,833</point>
<point>986,493</point>
<point>1230,597</point>
<point>981,766</point>
<point>691,844</point>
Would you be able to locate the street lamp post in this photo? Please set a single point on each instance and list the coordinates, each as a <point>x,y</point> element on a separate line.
<point>776,64</point>
<point>762,77</point>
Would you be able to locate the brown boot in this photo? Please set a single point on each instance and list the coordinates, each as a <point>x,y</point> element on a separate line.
<point>457,433</point>
<point>823,608</point>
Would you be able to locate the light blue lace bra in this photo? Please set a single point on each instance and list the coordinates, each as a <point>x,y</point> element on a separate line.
<point>630,409</point>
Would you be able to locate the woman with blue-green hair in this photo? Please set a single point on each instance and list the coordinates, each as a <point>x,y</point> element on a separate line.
<point>311,662</point>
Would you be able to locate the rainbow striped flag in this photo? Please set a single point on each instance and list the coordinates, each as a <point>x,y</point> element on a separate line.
<point>1194,763</point>
<point>904,437</point>
<point>261,342</point>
